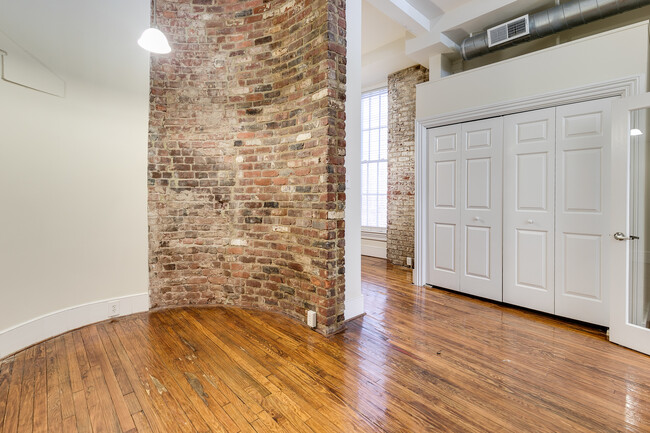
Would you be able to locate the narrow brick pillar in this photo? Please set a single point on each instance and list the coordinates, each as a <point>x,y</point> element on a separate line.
<point>246,157</point>
<point>401,162</point>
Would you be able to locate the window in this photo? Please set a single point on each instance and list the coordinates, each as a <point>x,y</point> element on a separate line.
<point>374,159</point>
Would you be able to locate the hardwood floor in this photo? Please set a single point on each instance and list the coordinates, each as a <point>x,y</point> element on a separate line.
<point>420,360</point>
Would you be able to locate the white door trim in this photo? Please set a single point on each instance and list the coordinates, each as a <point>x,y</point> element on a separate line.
<point>622,87</point>
<point>621,331</point>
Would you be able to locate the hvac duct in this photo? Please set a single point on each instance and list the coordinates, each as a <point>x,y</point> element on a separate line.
<point>562,17</point>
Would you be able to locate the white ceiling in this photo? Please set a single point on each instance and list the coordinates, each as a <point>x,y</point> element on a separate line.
<point>400,33</point>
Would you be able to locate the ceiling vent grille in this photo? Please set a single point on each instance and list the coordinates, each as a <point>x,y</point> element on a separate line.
<point>509,31</point>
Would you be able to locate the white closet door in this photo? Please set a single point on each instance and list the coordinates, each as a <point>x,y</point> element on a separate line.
<point>582,185</point>
<point>443,206</point>
<point>481,208</point>
<point>529,210</point>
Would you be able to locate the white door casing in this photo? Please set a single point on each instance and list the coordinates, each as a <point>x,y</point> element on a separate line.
<point>444,150</point>
<point>529,210</point>
<point>622,329</point>
<point>583,137</point>
<point>481,208</point>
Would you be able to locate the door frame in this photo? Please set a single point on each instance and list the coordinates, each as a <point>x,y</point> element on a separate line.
<point>622,87</point>
<point>621,331</point>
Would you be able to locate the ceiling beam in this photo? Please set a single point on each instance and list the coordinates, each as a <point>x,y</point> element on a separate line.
<point>403,12</point>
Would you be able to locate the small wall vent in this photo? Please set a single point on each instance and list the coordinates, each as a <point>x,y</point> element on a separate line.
<point>509,31</point>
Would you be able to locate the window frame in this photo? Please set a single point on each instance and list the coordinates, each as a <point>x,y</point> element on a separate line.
<point>374,232</point>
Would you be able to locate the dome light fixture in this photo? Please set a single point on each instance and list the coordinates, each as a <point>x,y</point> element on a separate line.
<point>154,40</point>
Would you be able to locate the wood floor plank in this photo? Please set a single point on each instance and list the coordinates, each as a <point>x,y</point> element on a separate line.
<point>54,417</point>
<point>167,407</point>
<point>26,415</point>
<point>420,360</point>
<point>99,358</point>
<point>96,416</point>
<point>140,384</point>
<point>40,390</point>
<point>10,424</point>
<point>6,370</point>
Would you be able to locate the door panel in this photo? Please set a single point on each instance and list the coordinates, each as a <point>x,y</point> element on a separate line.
<point>477,263</point>
<point>583,151</point>
<point>528,215</point>
<point>443,210</point>
<point>481,209</point>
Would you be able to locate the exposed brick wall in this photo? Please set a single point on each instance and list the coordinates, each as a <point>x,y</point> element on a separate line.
<point>246,157</point>
<point>401,162</point>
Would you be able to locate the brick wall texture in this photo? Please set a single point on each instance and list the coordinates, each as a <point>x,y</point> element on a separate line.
<point>246,157</point>
<point>401,163</point>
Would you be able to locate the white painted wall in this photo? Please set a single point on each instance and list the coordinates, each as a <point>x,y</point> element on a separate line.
<point>73,194</point>
<point>607,56</point>
<point>373,248</point>
<point>353,296</point>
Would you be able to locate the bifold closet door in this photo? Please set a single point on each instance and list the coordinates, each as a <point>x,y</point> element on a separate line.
<point>443,206</point>
<point>481,208</point>
<point>582,183</point>
<point>529,210</point>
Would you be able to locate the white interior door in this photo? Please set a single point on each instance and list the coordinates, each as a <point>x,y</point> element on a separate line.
<point>629,263</point>
<point>481,208</point>
<point>443,206</point>
<point>582,213</point>
<point>529,210</point>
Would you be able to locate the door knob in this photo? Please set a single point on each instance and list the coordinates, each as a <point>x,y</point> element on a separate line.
<point>477,219</point>
<point>530,221</point>
<point>621,237</point>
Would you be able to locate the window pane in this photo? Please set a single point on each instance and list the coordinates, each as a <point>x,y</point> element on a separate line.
<point>384,110</point>
<point>382,211</point>
<point>374,112</point>
<point>374,145</point>
<point>382,176</point>
<point>364,178</point>
<point>372,178</point>
<point>365,113</point>
<point>383,138</point>
<point>372,211</point>
<point>365,147</point>
<point>364,210</point>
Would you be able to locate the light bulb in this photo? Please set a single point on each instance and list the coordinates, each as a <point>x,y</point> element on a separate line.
<point>155,41</point>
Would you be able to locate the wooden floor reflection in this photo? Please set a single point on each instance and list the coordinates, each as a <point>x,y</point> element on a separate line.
<point>420,360</point>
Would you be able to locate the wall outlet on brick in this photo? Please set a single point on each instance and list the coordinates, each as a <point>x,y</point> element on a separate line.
<point>409,262</point>
<point>113,308</point>
<point>311,319</point>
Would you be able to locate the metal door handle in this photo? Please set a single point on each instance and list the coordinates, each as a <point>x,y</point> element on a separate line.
<point>621,237</point>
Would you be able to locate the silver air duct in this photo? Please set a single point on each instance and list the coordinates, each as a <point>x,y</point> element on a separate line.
<point>562,17</point>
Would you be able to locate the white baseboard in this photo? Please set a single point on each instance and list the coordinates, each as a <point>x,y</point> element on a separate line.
<point>55,323</point>
<point>354,307</point>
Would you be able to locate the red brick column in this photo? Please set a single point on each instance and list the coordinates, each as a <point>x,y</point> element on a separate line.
<point>400,234</point>
<point>246,157</point>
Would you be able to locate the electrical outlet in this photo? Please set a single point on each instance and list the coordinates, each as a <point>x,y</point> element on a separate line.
<point>113,308</point>
<point>409,262</point>
<point>311,319</point>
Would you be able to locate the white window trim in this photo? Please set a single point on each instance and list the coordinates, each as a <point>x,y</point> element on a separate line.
<point>367,232</point>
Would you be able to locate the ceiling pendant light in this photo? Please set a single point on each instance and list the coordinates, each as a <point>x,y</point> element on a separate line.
<point>154,40</point>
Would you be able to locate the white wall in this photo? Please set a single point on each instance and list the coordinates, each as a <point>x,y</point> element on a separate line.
<point>615,54</point>
<point>353,296</point>
<point>73,194</point>
<point>373,248</point>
